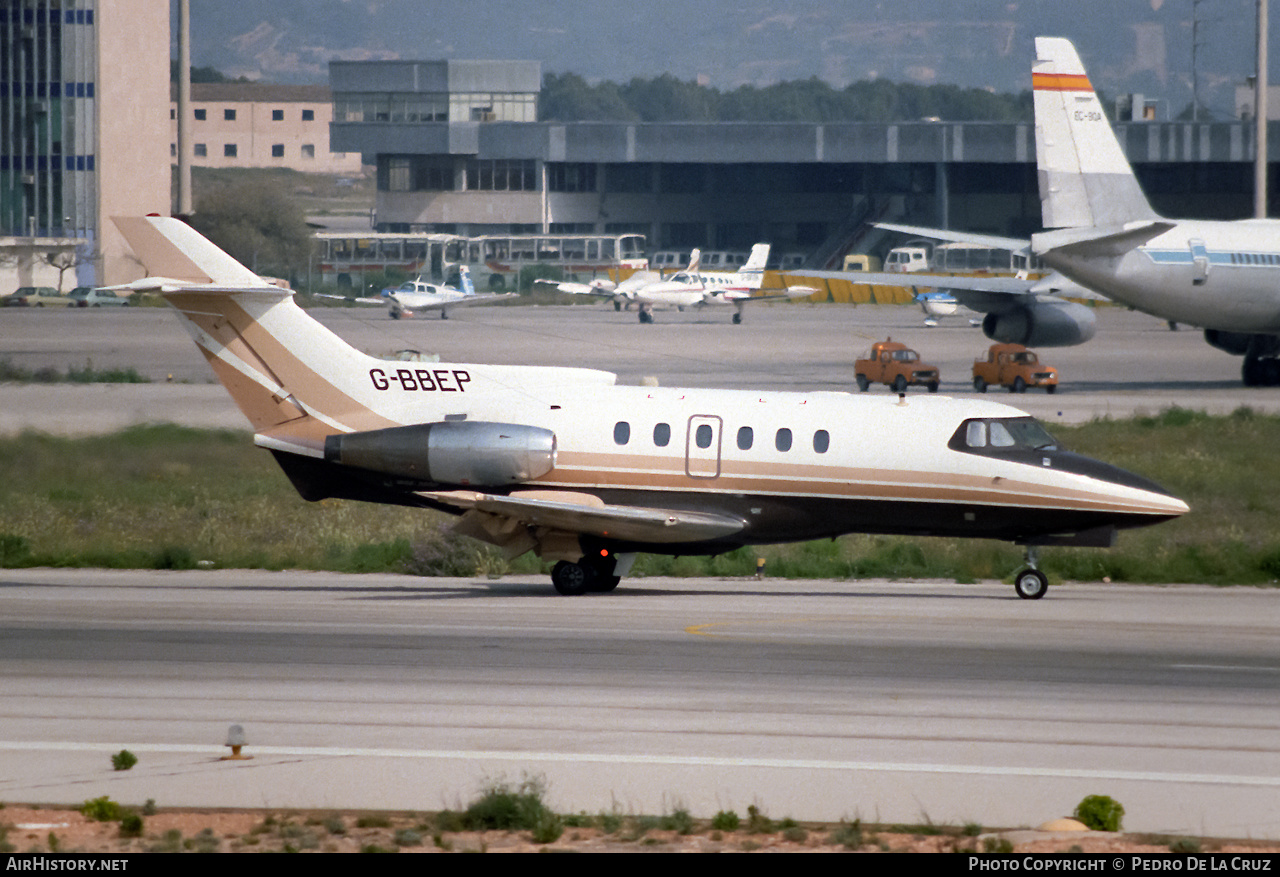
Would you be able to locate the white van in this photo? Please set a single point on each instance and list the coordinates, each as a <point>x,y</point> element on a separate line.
<point>906,260</point>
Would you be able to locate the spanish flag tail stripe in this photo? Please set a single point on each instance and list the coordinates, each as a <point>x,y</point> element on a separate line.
<point>1060,82</point>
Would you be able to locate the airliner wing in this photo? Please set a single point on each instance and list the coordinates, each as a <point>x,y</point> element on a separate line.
<point>588,515</point>
<point>960,237</point>
<point>984,294</point>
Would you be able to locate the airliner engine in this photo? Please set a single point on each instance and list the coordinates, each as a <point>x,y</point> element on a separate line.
<point>469,453</point>
<point>1042,324</point>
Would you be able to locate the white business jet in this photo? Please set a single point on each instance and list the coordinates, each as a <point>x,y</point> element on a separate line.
<point>585,473</point>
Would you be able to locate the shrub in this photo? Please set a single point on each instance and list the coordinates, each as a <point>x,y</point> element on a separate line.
<point>726,820</point>
<point>1100,813</point>
<point>679,821</point>
<point>502,808</point>
<point>757,822</point>
<point>407,837</point>
<point>131,825</point>
<point>123,760</point>
<point>1187,846</point>
<point>101,809</point>
<point>848,835</point>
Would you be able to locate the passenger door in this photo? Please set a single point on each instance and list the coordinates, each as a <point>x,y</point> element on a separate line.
<point>702,447</point>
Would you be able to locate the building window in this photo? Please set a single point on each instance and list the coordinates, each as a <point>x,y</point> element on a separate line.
<point>499,175</point>
<point>277,115</point>
<point>229,150</point>
<point>571,177</point>
<point>201,150</point>
<point>308,150</point>
<point>173,114</point>
<point>200,115</point>
<point>277,150</point>
<point>398,174</point>
<point>229,115</point>
<point>308,115</point>
<point>173,149</point>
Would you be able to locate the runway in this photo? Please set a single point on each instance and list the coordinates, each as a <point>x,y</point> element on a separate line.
<point>904,702</point>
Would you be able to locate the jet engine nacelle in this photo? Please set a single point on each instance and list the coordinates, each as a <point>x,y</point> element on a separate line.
<point>1042,324</point>
<point>471,453</point>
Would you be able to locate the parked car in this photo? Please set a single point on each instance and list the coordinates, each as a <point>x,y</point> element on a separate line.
<point>37,297</point>
<point>897,365</point>
<point>90,297</point>
<point>1015,367</point>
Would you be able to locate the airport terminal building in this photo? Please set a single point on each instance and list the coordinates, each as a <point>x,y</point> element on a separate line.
<point>458,149</point>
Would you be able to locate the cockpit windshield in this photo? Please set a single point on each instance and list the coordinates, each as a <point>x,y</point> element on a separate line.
<point>994,435</point>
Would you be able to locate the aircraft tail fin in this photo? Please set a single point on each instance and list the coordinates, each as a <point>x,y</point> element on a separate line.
<point>464,275</point>
<point>695,261</point>
<point>1085,179</point>
<point>288,374</point>
<point>752,272</point>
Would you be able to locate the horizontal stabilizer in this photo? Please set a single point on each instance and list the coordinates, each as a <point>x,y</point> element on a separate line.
<point>1113,241</point>
<point>179,255</point>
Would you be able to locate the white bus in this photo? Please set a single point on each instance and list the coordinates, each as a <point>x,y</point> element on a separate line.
<point>495,260</point>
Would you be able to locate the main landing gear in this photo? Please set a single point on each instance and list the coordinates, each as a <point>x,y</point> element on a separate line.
<point>1030,583</point>
<point>594,573</point>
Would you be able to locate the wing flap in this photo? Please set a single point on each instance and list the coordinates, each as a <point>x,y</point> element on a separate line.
<point>589,515</point>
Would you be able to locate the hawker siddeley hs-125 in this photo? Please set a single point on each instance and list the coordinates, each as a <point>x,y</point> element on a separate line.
<point>565,463</point>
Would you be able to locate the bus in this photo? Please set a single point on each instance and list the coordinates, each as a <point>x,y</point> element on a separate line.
<point>495,260</point>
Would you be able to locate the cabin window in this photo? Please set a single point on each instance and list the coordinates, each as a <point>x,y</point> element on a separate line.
<point>745,437</point>
<point>783,439</point>
<point>821,441</point>
<point>662,435</point>
<point>621,432</point>
<point>703,436</point>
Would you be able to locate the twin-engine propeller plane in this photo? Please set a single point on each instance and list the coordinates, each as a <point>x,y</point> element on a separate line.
<point>694,287</point>
<point>564,463</point>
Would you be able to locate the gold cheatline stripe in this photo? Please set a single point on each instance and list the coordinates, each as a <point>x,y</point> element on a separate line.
<point>1060,82</point>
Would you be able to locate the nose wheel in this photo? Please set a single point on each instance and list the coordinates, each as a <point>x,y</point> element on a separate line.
<point>1030,583</point>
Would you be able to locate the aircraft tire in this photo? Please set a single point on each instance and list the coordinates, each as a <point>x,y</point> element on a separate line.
<point>646,317</point>
<point>617,306</point>
<point>395,315</point>
<point>605,584</point>
<point>863,383</point>
<point>979,384</point>
<point>737,318</point>
<point>1030,584</point>
<point>571,579</point>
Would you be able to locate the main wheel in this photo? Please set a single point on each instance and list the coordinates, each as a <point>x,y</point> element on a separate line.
<point>900,384</point>
<point>863,383</point>
<point>980,384</point>
<point>1030,584</point>
<point>571,579</point>
<point>737,318</point>
<point>617,306</point>
<point>605,584</point>
<point>646,317</point>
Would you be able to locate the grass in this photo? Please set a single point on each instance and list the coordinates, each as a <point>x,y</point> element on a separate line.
<point>87,374</point>
<point>168,497</point>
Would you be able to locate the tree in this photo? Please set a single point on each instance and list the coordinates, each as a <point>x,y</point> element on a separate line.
<point>258,224</point>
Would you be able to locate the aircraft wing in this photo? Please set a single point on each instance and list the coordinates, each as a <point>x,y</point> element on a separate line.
<point>787,294</point>
<point>465,301</point>
<point>598,289</point>
<point>961,237</point>
<point>984,294</point>
<point>589,515</point>
<point>367,300</point>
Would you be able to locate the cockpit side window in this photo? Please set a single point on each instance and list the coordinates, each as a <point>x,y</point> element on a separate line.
<point>1002,435</point>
